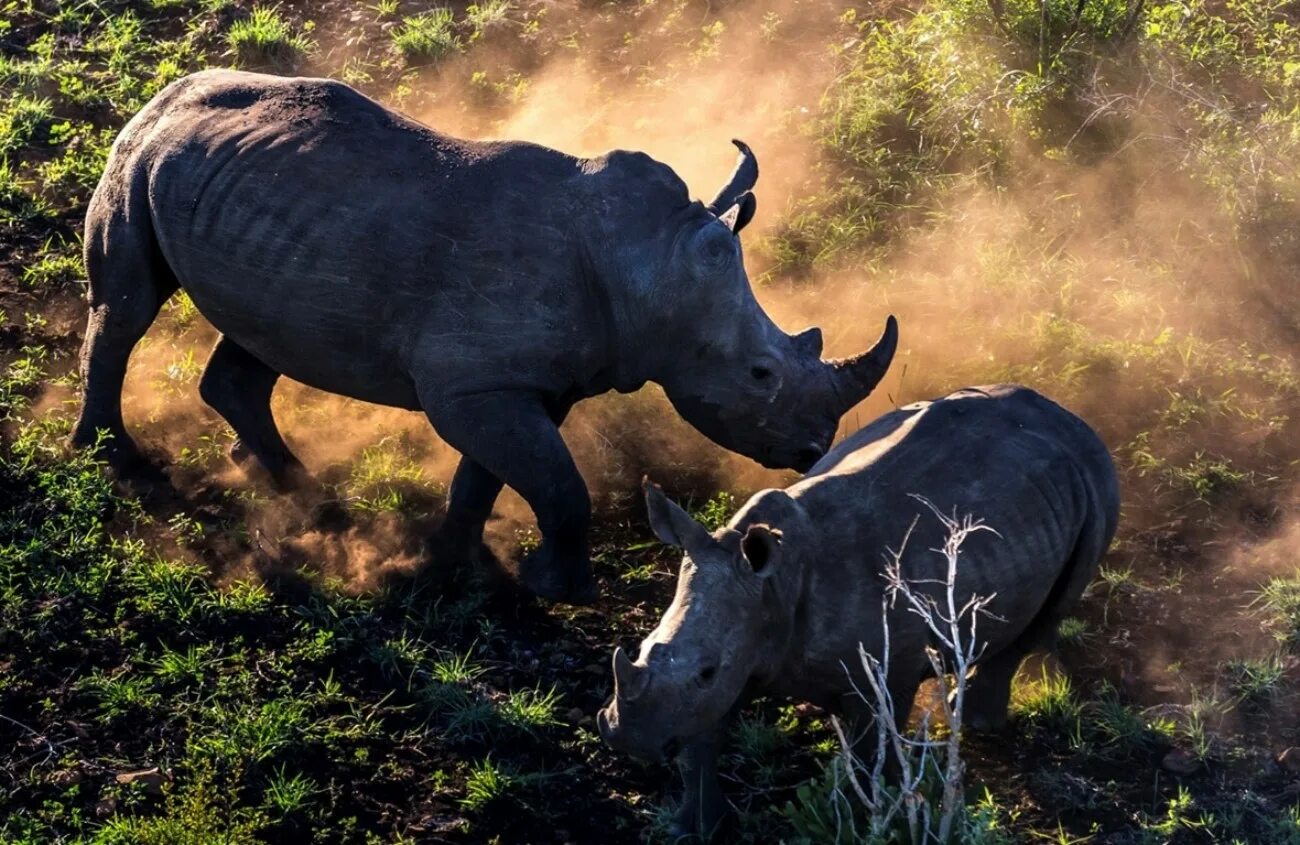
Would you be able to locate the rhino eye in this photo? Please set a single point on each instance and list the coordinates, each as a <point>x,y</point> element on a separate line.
<point>760,373</point>
<point>707,673</point>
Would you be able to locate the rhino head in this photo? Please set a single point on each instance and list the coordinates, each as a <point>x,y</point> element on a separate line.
<point>728,623</point>
<point>733,374</point>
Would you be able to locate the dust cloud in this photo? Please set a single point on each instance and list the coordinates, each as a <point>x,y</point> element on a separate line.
<point>1107,290</point>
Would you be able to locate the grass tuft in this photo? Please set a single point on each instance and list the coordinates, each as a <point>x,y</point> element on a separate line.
<point>267,37</point>
<point>427,37</point>
<point>1279,598</point>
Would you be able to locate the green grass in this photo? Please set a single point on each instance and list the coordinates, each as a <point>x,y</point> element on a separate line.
<point>1279,599</point>
<point>456,669</point>
<point>1048,703</point>
<point>386,9</point>
<point>1256,680</point>
<point>75,171</point>
<point>716,511</point>
<point>17,203</point>
<point>199,813</point>
<point>486,16</point>
<point>974,171</point>
<point>288,793</point>
<point>21,120</point>
<point>427,37</point>
<point>530,710</point>
<point>1073,631</point>
<point>756,738</point>
<point>487,783</point>
<point>383,477</point>
<point>267,37</point>
<point>56,267</point>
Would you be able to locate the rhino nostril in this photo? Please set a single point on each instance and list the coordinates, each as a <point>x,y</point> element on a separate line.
<point>671,748</point>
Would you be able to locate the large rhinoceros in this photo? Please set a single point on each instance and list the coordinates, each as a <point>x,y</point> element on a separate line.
<point>779,600</point>
<point>491,285</point>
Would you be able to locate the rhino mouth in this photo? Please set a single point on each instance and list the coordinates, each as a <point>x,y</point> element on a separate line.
<point>613,734</point>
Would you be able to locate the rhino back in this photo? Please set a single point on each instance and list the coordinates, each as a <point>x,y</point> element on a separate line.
<point>338,240</point>
<point>1006,455</point>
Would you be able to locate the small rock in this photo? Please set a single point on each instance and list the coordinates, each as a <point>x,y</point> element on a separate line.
<point>1289,760</point>
<point>1180,761</point>
<point>574,716</point>
<point>106,808</point>
<point>151,779</point>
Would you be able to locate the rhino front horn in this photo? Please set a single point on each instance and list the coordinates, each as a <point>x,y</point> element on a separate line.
<point>856,377</point>
<point>629,682</point>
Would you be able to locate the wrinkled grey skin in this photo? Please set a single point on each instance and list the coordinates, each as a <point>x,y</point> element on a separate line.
<point>778,600</point>
<point>491,285</point>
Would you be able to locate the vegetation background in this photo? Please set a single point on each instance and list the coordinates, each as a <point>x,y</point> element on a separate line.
<point>1098,198</point>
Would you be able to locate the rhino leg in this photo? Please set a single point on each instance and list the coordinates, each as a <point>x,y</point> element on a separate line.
<point>474,491</point>
<point>238,386</point>
<point>129,282</point>
<point>512,436</point>
<point>702,802</point>
<point>988,692</point>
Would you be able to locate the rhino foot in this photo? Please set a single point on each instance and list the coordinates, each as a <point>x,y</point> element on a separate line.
<point>693,824</point>
<point>287,475</point>
<point>986,712</point>
<point>984,723</point>
<point>118,451</point>
<point>544,576</point>
<point>457,541</point>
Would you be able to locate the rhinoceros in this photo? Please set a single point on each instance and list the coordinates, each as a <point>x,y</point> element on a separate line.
<point>489,284</point>
<point>778,601</point>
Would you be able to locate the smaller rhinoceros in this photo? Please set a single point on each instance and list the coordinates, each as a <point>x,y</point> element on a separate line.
<point>778,601</point>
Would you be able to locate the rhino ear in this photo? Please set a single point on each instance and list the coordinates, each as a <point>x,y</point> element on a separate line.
<point>761,547</point>
<point>809,342</point>
<point>670,523</point>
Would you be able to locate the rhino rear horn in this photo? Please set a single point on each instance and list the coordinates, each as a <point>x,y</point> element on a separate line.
<point>738,216</point>
<point>742,181</point>
<point>856,377</point>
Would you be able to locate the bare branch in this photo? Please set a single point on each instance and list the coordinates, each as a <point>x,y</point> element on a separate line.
<point>953,626</point>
